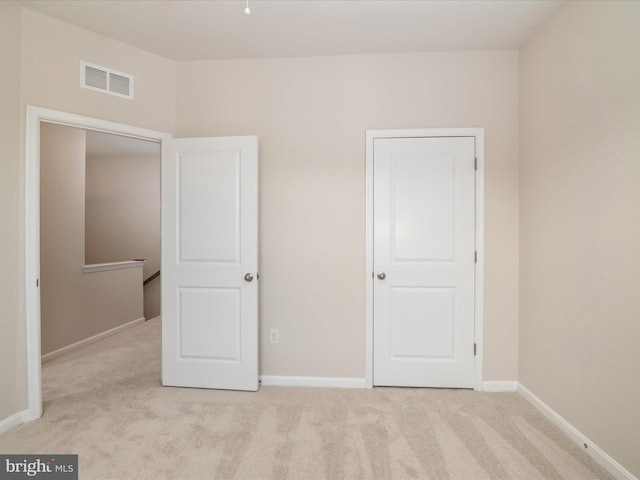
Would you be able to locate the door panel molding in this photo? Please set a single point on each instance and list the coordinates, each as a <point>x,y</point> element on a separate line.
<point>478,135</point>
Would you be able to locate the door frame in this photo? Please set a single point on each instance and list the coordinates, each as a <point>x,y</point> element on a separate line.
<point>478,134</point>
<point>31,316</point>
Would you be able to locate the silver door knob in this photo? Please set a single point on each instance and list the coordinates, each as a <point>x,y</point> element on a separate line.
<point>248,277</point>
<point>382,275</point>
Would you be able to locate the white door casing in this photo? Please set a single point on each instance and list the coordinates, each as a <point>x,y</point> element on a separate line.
<point>35,115</point>
<point>209,263</point>
<point>423,215</point>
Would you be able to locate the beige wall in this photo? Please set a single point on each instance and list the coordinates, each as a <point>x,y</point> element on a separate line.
<point>311,115</point>
<point>152,298</point>
<point>123,214</point>
<point>51,55</point>
<point>578,140</point>
<point>580,228</point>
<point>40,63</point>
<point>11,338</point>
<point>74,305</point>
<point>44,56</point>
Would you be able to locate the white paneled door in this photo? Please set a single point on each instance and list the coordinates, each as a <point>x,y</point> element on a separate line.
<point>209,263</point>
<point>423,257</point>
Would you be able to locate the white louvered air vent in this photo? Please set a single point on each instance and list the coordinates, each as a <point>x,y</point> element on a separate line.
<point>106,80</point>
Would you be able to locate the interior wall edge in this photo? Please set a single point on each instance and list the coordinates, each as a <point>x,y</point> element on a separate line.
<point>594,451</point>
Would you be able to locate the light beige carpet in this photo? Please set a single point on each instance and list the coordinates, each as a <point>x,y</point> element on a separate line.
<point>105,403</point>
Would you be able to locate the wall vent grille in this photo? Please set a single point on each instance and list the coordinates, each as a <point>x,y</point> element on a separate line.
<point>106,80</point>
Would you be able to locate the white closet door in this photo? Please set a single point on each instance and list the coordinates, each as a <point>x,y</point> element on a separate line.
<point>424,247</point>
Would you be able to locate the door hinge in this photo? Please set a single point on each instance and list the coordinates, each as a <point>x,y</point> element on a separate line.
<point>475,163</point>
<point>474,349</point>
<point>37,282</point>
<point>475,256</point>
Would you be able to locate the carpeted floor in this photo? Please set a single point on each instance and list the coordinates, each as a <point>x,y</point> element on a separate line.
<point>105,403</point>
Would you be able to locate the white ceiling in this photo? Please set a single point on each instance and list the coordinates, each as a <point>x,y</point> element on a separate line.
<point>219,29</point>
<point>99,143</point>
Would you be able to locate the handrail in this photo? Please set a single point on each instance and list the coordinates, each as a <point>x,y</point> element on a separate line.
<point>100,267</point>
<point>151,278</point>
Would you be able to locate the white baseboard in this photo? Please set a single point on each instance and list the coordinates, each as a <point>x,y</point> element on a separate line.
<point>595,452</point>
<point>499,386</point>
<point>87,341</point>
<point>325,382</point>
<point>13,421</point>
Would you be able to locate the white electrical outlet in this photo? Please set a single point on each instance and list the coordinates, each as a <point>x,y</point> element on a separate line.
<point>274,335</point>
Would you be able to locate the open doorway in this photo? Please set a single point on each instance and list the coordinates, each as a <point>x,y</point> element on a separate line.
<point>99,235</point>
<point>35,117</point>
<point>122,207</point>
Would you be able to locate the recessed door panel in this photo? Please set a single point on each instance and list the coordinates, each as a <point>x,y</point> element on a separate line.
<point>425,233</point>
<point>423,323</point>
<point>209,197</point>
<point>210,323</point>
